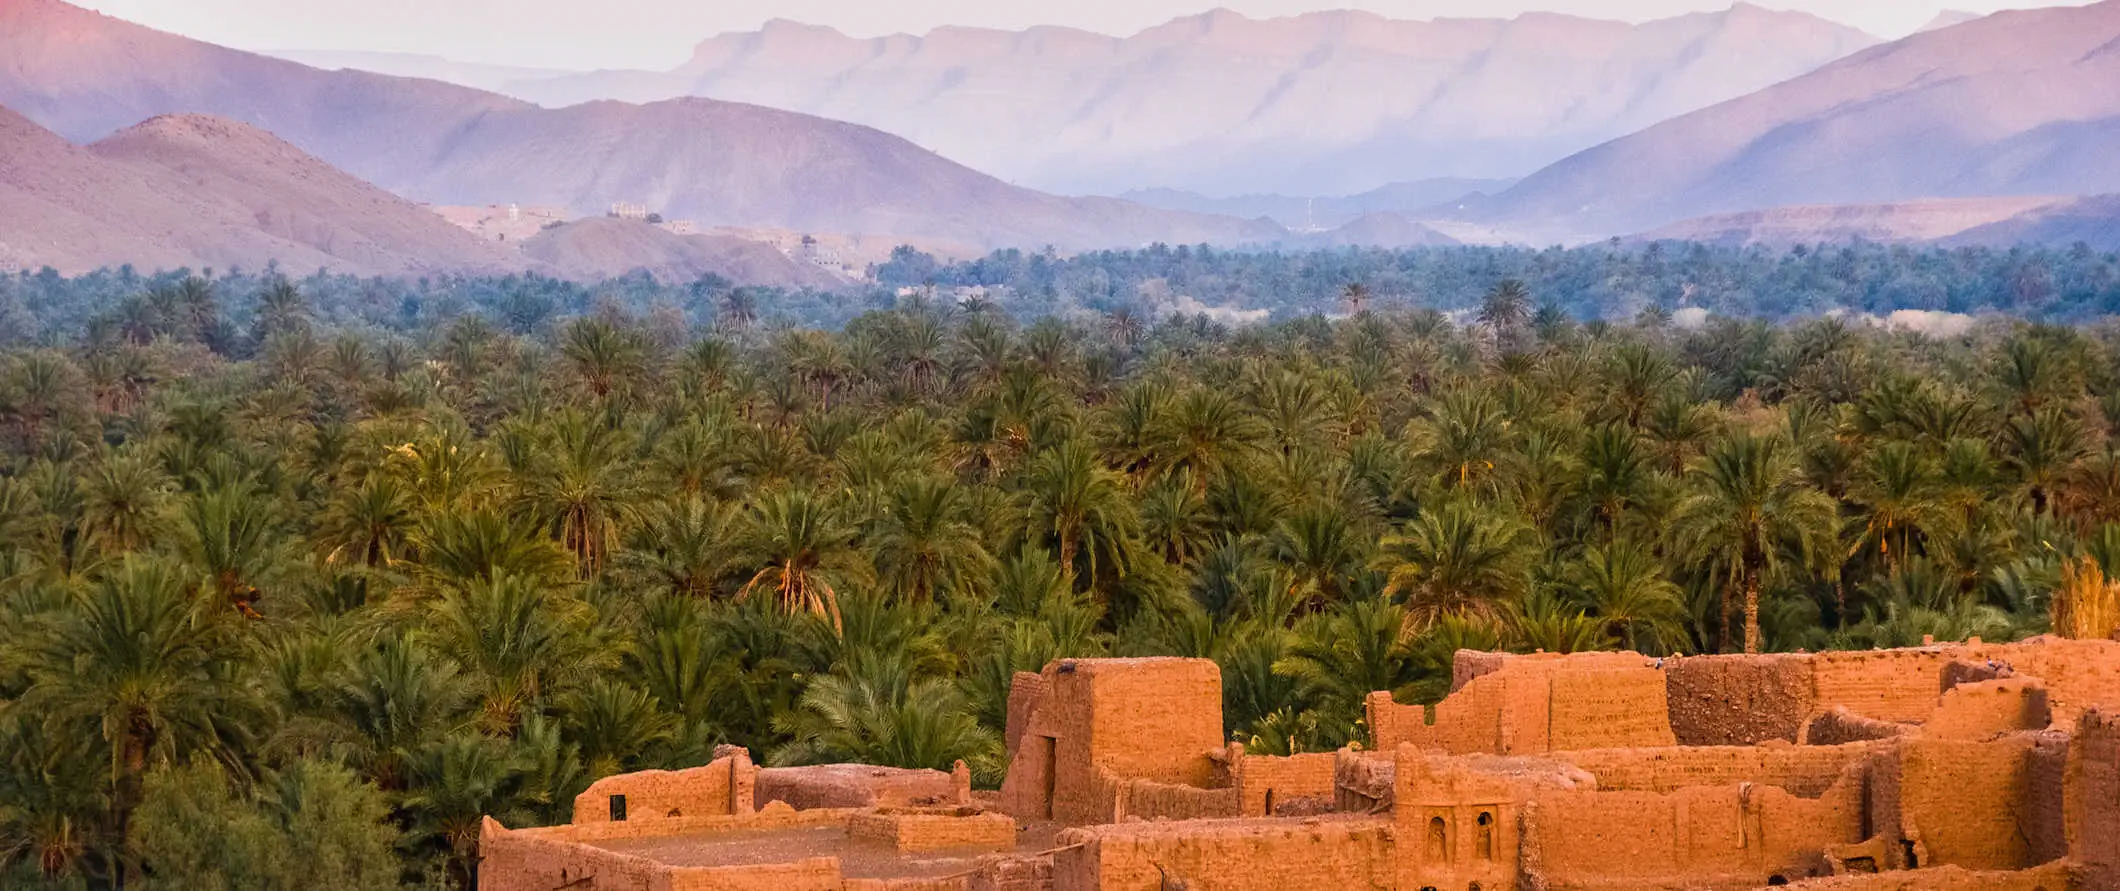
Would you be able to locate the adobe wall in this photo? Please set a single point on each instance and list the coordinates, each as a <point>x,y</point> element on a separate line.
<point>533,861</point>
<point>1974,804</point>
<point>1026,690</point>
<point>2077,674</point>
<point>1804,771</point>
<point>1268,783</point>
<point>860,785</point>
<point>1536,704</point>
<point>1737,700</point>
<point>1150,800</point>
<point>1982,709</point>
<point>1353,853</point>
<point>2091,803</point>
<point>1457,824</point>
<point>929,832</point>
<point>1838,726</point>
<point>1738,835</point>
<point>723,786</point>
<point>2053,877</point>
<point>1100,721</point>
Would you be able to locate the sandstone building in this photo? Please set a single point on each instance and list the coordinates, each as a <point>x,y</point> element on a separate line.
<point>1962,766</point>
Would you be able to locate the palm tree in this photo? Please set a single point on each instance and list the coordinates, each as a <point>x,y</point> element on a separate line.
<point>1505,309</point>
<point>923,542</point>
<point>875,711</point>
<point>396,698</point>
<point>803,553</point>
<point>582,488</point>
<point>1457,560</point>
<point>1206,432</point>
<point>1465,434</point>
<point>1748,510</point>
<point>682,546</point>
<point>1623,584</point>
<point>1897,486</point>
<point>1337,658</point>
<point>2039,447</point>
<point>520,641</point>
<point>369,524</point>
<point>1321,551</point>
<point>125,497</point>
<point>230,534</point>
<point>1355,297</point>
<point>603,356</point>
<point>1074,504</point>
<point>141,664</point>
<point>1614,472</point>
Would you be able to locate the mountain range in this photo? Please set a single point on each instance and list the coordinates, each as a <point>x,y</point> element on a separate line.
<point>2014,104</point>
<point>1323,103</point>
<point>85,75</point>
<point>196,191</point>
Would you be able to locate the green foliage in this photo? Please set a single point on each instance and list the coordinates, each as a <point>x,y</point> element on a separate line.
<point>332,568</point>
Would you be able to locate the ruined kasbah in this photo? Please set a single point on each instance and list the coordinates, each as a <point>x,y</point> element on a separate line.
<point>1955,767</point>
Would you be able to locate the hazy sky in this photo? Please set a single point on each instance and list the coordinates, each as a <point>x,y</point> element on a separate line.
<point>660,33</point>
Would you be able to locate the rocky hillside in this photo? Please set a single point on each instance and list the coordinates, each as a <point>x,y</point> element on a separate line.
<point>2017,103</point>
<point>1226,104</point>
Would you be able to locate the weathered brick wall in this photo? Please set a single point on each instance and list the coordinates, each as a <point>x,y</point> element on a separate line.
<point>2055,877</point>
<point>723,786</point>
<point>1026,690</point>
<point>1963,803</point>
<point>814,874</point>
<point>922,833</point>
<point>1981,709</point>
<point>1806,771</point>
<point>1838,726</point>
<point>1230,855</point>
<point>2092,802</point>
<point>1532,705</point>
<point>1150,800</point>
<point>1723,836</point>
<point>1737,700</point>
<point>1298,778</point>
<point>1102,720</point>
<point>1889,685</point>
<point>855,785</point>
<point>2077,674</point>
<point>515,861</point>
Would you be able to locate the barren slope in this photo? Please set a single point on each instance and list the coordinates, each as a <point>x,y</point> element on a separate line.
<point>604,247</point>
<point>195,191</point>
<point>1222,103</point>
<point>2017,103</point>
<point>1904,222</point>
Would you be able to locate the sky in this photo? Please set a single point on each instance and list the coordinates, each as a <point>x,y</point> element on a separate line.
<point>659,34</point>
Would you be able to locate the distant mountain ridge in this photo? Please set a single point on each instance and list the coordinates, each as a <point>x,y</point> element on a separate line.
<point>195,191</point>
<point>2020,103</point>
<point>86,75</point>
<point>1408,199</point>
<point>1323,103</point>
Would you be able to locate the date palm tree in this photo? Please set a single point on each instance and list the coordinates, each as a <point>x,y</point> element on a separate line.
<point>1457,560</point>
<point>924,543</point>
<point>803,553</point>
<point>1747,514</point>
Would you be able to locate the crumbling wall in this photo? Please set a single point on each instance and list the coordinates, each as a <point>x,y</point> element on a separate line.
<point>1457,824</point>
<point>1353,853</point>
<point>1735,835</point>
<point>1026,691</point>
<point>1805,771</point>
<point>920,832</point>
<point>1099,720</point>
<point>722,786</point>
<point>1889,685</point>
<point>2091,803</point>
<point>1838,726</point>
<point>542,861</point>
<point>2053,877</point>
<point>860,785</point>
<point>1738,700</point>
<point>1150,800</point>
<point>1982,709</point>
<point>1268,783</point>
<point>2077,674</point>
<point>1536,704</point>
<point>1965,803</point>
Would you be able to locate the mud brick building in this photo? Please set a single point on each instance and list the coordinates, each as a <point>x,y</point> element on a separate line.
<point>1961,766</point>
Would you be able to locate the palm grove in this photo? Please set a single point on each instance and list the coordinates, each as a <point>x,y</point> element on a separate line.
<point>290,602</point>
